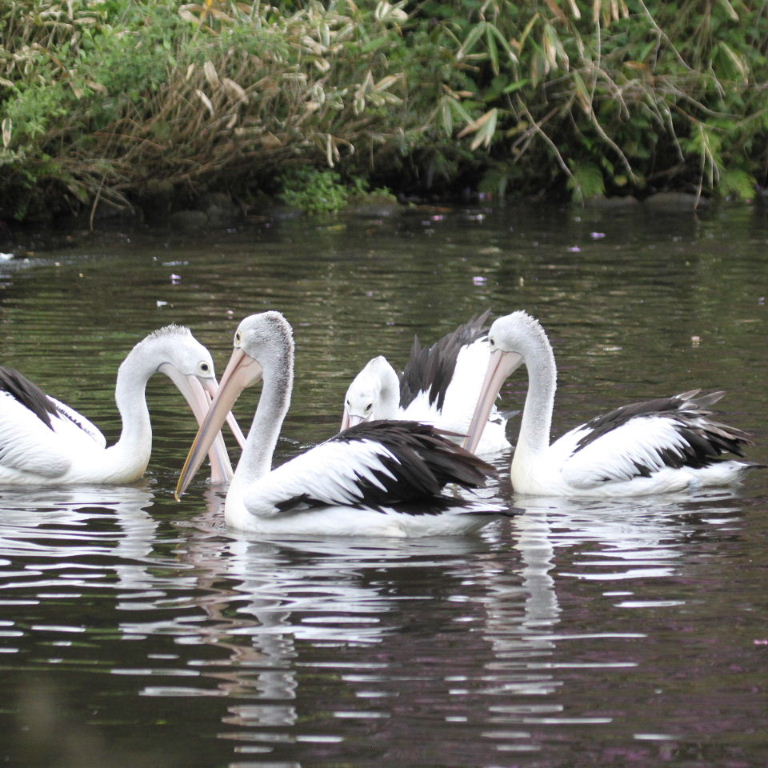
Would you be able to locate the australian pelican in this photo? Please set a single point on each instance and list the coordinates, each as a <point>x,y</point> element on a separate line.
<point>379,478</point>
<point>45,442</point>
<point>439,385</point>
<point>657,446</point>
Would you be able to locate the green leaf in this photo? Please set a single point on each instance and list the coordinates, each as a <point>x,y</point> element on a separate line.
<point>512,87</point>
<point>471,39</point>
<point>586,181</point>
<point>737,67</point>
<point>495,32</point>
<point>582,93</point>
<point>729,9</point>
<point>493,51</point>
<point>737,183</point>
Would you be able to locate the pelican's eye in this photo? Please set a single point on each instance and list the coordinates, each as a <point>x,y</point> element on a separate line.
<point>238,336</point>
<point>369,407</point>
<point>491,342</point>
<point>204,367</point>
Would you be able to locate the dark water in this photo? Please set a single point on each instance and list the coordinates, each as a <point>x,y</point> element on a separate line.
<point>136,631</point>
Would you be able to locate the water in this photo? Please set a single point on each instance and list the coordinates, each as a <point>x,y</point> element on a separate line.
<point>137,631</point>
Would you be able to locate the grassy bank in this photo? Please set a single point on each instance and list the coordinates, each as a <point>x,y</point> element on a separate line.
<point>119,103</point>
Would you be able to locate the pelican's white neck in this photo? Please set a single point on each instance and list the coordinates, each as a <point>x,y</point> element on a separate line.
<point>134,446</point>
<point>256,459</point>
<point>129,456</point>
<point>536,421</point>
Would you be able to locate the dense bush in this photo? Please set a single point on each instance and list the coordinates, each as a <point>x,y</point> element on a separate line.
<point>613,95</point>
<point>102,101</point>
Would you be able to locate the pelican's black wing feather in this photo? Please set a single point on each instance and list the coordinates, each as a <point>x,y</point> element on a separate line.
<point>28,394</point>
<point>414,462</point>
<point>705,441</point>
<point>430,369</point>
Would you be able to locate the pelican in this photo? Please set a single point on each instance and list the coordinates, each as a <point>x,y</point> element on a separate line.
<point>439,386</point>
<point>664,445</point>
<point>45,442</point>
<point>378,478</point>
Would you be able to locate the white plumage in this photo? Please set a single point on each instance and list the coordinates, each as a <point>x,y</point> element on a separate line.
<point>658,446</point>
<point>44,441</point>
<point>377,478</point>
<point>439,386</point>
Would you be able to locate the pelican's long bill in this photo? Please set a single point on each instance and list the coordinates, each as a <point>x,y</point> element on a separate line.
<point>501,364</point>
<point>348,420</point>
<point>211,386</point>
<point>198,395</point>
<point>241,371</point>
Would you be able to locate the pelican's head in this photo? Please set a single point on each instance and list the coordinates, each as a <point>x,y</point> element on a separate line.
<point>262,347</point>
<point>176,353</point>
<point>373,394</point>
<point>174,346</point>
<point>513,339</point>
<point>262,342</point>
<point>518,333</point>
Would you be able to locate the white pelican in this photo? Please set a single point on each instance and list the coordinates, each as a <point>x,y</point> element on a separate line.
<point>658,446</point>
<point>45,442</point>
<point>439,386</point>
<point>377,478</point>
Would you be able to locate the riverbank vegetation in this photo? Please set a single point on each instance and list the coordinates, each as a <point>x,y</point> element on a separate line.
<point>127,104</point>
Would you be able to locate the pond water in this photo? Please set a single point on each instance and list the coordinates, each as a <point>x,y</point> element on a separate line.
<point>138,631</point>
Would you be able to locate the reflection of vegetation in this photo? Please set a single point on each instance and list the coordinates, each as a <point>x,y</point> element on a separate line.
<point>98,99</point>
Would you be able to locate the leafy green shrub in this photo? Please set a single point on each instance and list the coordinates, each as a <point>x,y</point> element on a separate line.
<point>192,93</point>
<point>314,191</point>
<point>619,96</point>
<point>98,100</point>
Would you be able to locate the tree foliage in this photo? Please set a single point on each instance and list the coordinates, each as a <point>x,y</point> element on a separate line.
<point>101,98</point>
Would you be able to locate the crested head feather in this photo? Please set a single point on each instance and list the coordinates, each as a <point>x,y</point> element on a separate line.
<point>268,326</point>
<point>167,332</point>
<point>518,332</point>
<point>170,330</point>
<point>375,376</point>
<point>268,338</point>
<point>279,325</point>
<point>518,319</point>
